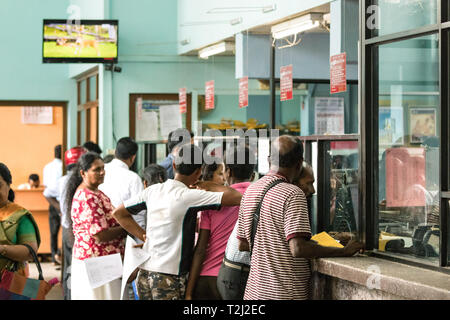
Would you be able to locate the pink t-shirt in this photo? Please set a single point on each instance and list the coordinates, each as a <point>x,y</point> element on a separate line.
<point>221,224</point>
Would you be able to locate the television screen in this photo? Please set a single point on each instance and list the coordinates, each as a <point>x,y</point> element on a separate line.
<point>90,41</point>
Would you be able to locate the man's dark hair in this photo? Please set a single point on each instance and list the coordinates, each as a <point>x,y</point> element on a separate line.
<point>58,151</point>
<point>34,177</point>
<point>126,148</point>
<point>286,158</point>
<point>108,158</point>
<point>244,170</point>
<point>154,173</point>
<point>92,146</point>
<point>178,136</point>
<point>188,159</point>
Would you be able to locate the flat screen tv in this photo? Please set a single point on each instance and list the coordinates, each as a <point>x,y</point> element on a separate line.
<point>82,41</point>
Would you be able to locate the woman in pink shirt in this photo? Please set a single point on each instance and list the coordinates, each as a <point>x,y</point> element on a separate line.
<point>216,227</point>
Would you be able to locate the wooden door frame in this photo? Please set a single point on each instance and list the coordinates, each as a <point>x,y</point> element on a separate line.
<point>156,96</point>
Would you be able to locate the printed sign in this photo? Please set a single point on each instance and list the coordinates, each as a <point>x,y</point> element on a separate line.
<point>286,83</point>
<point>209,95</point>
<point>329,115</point>
<point>37,115</point>
<point>182,100</point>
<point>243,92</point>
<point>338,73</point>
<point>139,108</point>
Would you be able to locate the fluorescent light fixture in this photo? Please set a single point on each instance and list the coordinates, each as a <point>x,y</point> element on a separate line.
<point>270,8</point>
<point>216,49</point>
<point>236,21</point>
<point>185,42</point>
<point>297,25</point>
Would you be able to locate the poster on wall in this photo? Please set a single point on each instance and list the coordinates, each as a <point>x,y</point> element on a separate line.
<point>391,126</point>
<point>329,115</point>
<point>209,95</point>
<point>422,124</point>
<point>286,84</point>
<point>243,92</point>
<point>169,119</point>
<point>182,100</point>
<point>147,128</point>
<point>37,115</point>
<point>338,73</point>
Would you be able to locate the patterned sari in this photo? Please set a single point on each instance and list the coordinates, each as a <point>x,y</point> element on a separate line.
<point>17,226</point>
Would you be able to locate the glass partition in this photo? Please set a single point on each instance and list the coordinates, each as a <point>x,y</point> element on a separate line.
<point>390,16</point>
<point>408,147</point>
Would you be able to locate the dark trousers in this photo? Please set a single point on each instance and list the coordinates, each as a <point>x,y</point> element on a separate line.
<point>54,220</point>
<point>206,289</point>
<point>67,245</point>
<point>231,282</point>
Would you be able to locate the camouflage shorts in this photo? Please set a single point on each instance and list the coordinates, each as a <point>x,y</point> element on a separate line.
<point>160,286</point>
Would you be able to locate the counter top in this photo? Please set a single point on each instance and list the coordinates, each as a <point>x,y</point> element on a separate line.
<point>395,278</point>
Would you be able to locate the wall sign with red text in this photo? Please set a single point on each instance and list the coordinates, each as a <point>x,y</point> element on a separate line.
<point>209,95</point>
<point>286,83</point>
<point>182,100</point>
<point>243,92</point>
<point>338,73</point>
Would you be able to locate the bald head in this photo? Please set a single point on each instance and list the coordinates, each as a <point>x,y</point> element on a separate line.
<point>286,151</point>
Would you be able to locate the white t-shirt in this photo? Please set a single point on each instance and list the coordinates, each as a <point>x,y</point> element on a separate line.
<point>52,173</point>
<point>171,219</point>
<point>121,184</point>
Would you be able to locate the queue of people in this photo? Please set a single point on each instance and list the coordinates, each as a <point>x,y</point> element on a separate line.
<point>104,206</point>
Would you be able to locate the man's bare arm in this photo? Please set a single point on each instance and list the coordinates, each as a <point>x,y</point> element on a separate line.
<point>127,222</point>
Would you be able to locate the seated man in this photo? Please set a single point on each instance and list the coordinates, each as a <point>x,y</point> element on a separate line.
<point>33,183</point>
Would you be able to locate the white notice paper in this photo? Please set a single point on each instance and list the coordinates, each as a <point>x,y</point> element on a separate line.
<point>170,119</point>
<point>104,269</point>
<point>134,257</point>
<point>147,126</point>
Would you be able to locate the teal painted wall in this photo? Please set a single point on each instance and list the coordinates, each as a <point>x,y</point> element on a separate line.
<point>23,75</point>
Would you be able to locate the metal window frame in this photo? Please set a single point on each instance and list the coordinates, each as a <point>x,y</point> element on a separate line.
<point>368,88</point>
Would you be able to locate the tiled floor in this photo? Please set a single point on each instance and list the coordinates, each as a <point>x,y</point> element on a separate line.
<point>49,271</point>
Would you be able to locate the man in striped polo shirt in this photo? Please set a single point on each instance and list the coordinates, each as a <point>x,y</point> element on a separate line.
<point>280,268</point>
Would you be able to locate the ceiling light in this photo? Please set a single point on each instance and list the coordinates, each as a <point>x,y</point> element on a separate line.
<point>270,8</point>
<point>185,42</point>
<point>236,21</point>
<point>297,25</point>
<point>216,49</point>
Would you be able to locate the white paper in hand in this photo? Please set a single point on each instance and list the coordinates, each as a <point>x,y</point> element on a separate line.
<point>101,270</point>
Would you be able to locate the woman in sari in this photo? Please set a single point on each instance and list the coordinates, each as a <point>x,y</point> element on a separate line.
<point>17,227</point>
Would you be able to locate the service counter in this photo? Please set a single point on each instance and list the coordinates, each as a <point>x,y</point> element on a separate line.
<point>367,277</point>
<point>34,201</point>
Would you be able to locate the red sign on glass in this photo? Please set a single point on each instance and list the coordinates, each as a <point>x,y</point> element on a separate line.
<point>243,92</point>
<point>182,100</point>
<point>209,95</point>
<point>286,83</point>
<point>338,73</point>
<point>405,177</point>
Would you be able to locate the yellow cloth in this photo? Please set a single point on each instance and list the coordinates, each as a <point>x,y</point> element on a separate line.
<point>324,239</point>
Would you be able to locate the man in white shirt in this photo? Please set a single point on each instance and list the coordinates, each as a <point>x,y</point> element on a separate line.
<point>121,183</point>
<point>172,209</point>
<point>52,173</point>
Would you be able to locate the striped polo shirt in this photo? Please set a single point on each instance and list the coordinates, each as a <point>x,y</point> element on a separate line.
<point>171,219</point>
<point>275,274</point>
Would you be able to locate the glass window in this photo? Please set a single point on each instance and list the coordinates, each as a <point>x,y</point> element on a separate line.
<point>92,88</point>
<point>390,16</point>
<point>409,144</point>
<point>342,164</point>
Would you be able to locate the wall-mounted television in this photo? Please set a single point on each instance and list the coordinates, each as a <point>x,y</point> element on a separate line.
<point>80,41</point>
